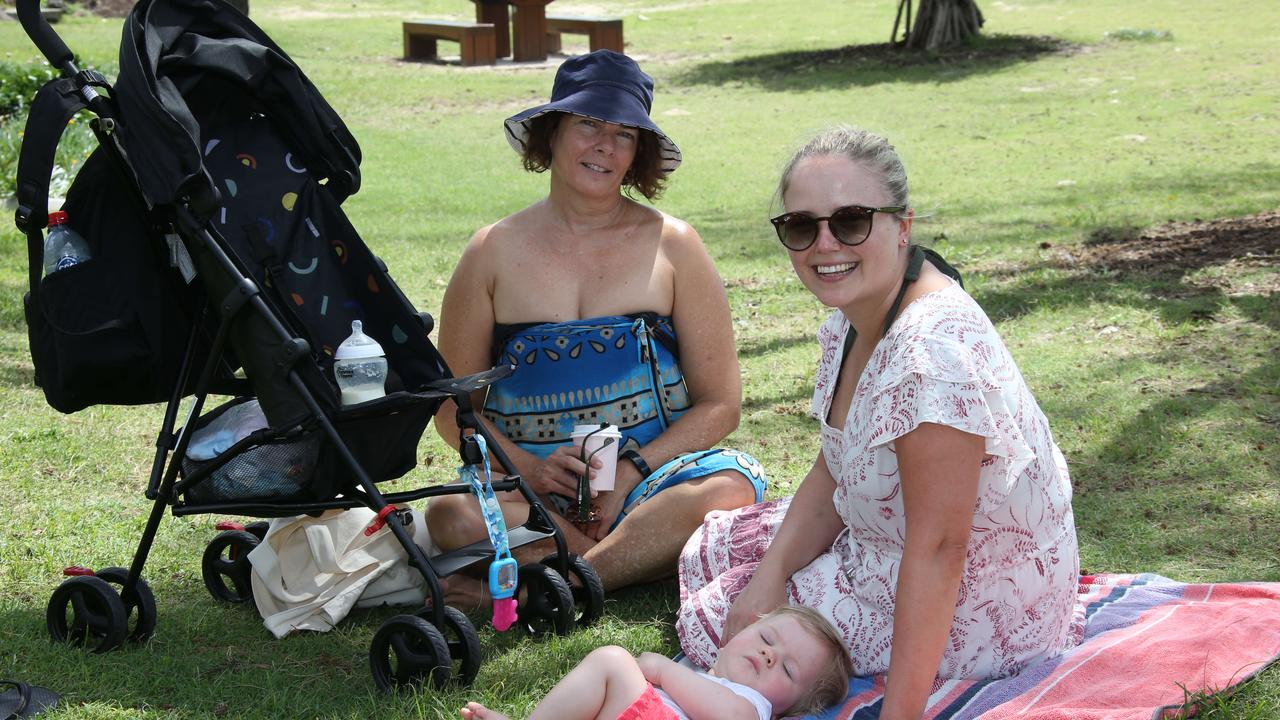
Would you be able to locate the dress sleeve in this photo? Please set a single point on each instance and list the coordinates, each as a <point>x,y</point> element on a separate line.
<point>968,383</point>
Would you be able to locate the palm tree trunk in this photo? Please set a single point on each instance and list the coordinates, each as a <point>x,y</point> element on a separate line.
<point>944,22</point>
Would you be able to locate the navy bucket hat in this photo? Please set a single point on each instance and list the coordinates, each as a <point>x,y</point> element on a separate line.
<point>604,85</point>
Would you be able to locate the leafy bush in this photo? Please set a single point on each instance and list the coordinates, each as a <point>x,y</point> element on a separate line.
<point>18,85</point>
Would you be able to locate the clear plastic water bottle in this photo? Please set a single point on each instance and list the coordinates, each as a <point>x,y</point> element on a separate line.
<point>360,367</point>
<point>63,247</point>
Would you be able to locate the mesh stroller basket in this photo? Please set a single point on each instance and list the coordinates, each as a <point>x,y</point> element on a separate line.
<point>217,185</point>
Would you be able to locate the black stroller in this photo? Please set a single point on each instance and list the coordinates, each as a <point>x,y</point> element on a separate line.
<point>222,264</point>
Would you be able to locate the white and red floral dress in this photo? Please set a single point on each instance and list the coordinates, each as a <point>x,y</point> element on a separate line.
<point>941,362</point>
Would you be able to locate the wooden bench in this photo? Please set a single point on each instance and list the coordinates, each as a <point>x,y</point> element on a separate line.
<point>603,33</point>
<point>476,40</point>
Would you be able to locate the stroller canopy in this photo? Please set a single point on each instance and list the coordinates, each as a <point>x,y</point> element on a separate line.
<point>176,52</point>
<point>217,119</point>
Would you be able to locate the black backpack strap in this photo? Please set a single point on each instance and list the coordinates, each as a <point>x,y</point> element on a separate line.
<point>919,254</point>
<point>943,266</point>
<point>55,103</point>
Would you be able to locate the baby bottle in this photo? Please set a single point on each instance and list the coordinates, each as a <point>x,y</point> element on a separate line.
<point>360,367</point>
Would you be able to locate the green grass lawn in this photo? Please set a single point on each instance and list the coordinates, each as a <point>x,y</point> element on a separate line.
<point>1066,125</point>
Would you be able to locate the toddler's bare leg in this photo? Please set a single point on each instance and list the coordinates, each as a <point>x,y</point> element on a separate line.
<point>604,684</point>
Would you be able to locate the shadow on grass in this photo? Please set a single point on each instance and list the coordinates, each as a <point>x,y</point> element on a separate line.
<point>861,65</point>
<point>781,402</point>
<point>1156,496</point>
<point>1161,433</point>
<point>1155,267</point>
<point>768,346</point>
<point>170,674</point>
<point>1153,486</point>
<point>655,602</point>
<point>1174,303</point>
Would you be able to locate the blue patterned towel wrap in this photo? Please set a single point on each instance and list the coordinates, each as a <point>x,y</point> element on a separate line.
<point>619,369</point>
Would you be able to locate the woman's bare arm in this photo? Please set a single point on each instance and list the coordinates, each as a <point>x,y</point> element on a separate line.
<point>708,355</point>
<point>939,469</point>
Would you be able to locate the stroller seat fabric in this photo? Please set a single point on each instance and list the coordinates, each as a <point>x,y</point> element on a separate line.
<point>293,239</point>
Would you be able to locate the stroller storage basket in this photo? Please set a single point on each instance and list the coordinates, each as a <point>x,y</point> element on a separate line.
<point>265,464</point>
<point>383,436</point>
<point>301,464</point>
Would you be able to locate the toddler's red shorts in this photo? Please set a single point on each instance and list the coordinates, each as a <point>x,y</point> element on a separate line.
<point>648,707</point>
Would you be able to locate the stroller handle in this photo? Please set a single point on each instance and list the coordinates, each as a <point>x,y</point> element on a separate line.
<point>44,37</point>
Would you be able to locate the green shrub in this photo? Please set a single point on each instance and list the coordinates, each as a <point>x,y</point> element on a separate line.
<point>77,142</point>
<point>19,83</point>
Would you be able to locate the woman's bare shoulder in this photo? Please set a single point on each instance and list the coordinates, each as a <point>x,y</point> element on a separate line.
<point>675,229</point>
<point>681,243</point>
<point>678,235</point>
<point>499,236</point>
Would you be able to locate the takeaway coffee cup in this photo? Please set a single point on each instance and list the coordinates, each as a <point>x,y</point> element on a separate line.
<point>604,444</point>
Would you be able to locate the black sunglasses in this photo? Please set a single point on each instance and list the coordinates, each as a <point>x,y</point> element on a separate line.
<point>851,225</point>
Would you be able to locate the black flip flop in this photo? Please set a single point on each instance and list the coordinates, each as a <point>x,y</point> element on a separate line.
<point>21,700</point>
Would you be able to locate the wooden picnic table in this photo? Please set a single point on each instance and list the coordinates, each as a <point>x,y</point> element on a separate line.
<point>527,39</point>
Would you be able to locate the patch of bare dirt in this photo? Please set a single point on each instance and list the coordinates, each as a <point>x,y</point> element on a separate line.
<point>1180,248</point>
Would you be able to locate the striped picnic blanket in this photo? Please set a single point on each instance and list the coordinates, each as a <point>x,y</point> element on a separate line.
<point>1149,641</point>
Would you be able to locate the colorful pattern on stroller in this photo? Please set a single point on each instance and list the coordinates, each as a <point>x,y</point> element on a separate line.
<point>215,191</point>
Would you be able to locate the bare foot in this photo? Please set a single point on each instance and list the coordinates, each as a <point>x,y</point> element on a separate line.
<point>476,711</point>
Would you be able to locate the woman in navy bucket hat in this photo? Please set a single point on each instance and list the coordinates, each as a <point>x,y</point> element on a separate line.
<point>610,311</point>
<point>604,85</point>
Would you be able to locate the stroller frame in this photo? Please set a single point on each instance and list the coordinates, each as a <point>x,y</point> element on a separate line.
<point>100,614</point>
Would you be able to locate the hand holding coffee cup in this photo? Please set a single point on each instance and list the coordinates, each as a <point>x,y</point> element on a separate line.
<point>598,442</point>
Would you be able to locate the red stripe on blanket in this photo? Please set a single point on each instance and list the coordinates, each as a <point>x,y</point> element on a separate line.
<point>854,702</point>
<point>1148,638</point>
<point>1182,643</point>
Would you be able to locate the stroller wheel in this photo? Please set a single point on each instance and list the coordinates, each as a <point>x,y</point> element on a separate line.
<point>226,559</point>
<point>407,650</point>
<point>463,641</point>
<point>548,605</point>
<point>588,594</point>
<point>142,601</point>
<point>86,610</point>
<point>258,528</point>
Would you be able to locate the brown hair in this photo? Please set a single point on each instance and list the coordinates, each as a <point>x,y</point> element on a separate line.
<point>832,686</point>
<point>859,146</point>
<point>645,175</point>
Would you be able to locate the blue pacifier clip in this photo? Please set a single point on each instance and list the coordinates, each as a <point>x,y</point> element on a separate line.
<point>503,571</point>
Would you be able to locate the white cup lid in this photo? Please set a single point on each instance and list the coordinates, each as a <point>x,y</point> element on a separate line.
<point>583,430</point>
